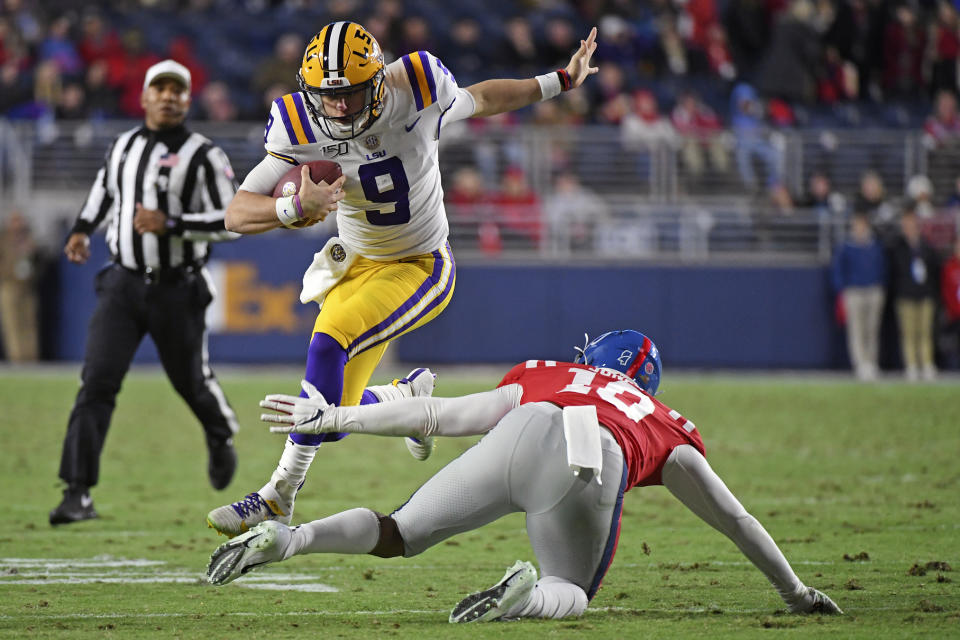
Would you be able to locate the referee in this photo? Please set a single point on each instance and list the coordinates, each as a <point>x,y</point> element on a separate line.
<point>162,191</point>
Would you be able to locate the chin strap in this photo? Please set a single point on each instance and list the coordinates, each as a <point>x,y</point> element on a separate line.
<point>582,351</point>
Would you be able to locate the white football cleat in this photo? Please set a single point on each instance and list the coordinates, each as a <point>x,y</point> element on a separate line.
<point>263,544</point>
<point>493,603</point>
<point>239,517</point>
<point>817,602</point>
<point>418,383</point>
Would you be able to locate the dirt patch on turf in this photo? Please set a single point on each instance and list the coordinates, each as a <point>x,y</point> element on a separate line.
<point>779,623</point>
<point>929,607</point>
<point>863,556</point>
<point>684,567</point>
<point>934,565</point>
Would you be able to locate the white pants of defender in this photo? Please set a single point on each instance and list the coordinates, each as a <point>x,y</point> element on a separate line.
<point>521,465</point>
<point>573,522</point>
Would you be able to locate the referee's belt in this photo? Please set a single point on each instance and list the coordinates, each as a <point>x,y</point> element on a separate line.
<point>168,275</point>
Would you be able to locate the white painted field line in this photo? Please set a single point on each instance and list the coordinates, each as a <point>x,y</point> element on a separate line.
<point>64,577</point>
<point>315,587</point>
<point>103,580</point>
<point>79,564</point>
<point>86,574</point>
<point>593,611</point>
<point>67,563</point>
<point>310,587</point>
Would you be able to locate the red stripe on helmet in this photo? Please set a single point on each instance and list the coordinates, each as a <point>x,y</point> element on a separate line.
<point>644,351</point>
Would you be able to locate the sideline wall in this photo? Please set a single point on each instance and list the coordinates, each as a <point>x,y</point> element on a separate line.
<point>700,316</point>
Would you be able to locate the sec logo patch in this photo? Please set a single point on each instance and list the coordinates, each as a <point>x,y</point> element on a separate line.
<point>338,253</point>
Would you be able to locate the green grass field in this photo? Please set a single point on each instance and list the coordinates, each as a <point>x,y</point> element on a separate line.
<point>858,484</point>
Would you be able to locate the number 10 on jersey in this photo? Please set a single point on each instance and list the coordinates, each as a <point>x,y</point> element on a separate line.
<point>635,404</point>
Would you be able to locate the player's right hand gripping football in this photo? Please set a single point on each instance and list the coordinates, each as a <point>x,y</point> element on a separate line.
<point>319,199</point>
<point>295,414</point>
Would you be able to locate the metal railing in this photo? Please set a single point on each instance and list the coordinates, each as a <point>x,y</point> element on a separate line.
<point>620,200</point>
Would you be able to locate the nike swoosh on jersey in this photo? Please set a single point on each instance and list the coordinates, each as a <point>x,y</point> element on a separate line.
<point>410,127</point>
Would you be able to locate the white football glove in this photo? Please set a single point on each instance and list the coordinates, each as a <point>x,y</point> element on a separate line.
<point>297,415</point>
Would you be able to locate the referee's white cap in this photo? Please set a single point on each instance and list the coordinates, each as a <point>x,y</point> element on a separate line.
<point>167,69</point>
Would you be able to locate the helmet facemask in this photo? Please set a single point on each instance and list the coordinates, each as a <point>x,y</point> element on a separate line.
<point>351,125</point>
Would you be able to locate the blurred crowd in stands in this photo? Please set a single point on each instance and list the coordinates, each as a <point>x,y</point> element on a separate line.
<point>712,80</point>
<point>796,58</point>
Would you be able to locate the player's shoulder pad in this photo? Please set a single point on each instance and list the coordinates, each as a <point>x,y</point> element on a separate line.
<point>288,126</point>
<point>428,80</point>
<point>517,372</point>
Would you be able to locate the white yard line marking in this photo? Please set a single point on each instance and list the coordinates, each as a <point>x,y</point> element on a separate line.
<point>103,580</point>
<point>338,614</point>
<point>273,577</point>
<point>107,570</point>
<point>76,563</point>
<point>313,587</point>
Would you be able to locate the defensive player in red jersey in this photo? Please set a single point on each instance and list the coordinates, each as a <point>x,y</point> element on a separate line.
<point>563,443</point>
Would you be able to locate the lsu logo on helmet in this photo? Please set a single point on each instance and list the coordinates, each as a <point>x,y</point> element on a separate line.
<point>289,188</point>
<point>343,62</point>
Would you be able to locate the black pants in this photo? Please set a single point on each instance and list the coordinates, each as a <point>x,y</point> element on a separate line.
<point>171,309</point>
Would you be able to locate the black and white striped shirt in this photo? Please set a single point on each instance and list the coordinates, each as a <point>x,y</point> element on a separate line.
<point>176,171</point>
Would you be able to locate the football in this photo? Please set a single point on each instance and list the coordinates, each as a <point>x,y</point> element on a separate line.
<point>289,183</point>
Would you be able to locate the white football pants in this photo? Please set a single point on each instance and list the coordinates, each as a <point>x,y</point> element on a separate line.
<point>521,465</point>
<point>573,522</point>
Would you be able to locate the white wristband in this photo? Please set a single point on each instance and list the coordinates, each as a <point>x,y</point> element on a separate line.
<point>287,211</point>
<point>549,85</point>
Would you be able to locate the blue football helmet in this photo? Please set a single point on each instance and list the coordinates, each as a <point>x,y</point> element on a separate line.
<point>627,351</point>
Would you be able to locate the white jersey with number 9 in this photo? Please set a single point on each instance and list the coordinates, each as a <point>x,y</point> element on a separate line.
<point>393,204</point>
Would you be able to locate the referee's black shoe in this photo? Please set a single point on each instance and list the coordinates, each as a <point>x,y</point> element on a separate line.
<point>221,464</point>
<point>76,505</point>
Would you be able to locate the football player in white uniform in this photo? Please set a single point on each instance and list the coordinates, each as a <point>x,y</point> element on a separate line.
<point>391,269</point>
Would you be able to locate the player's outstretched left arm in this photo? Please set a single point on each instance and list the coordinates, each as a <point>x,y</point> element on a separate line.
<point>417,417</point>
<point>498,96</point>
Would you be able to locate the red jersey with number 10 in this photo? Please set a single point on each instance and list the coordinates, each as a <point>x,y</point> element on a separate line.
<point>646,430</point>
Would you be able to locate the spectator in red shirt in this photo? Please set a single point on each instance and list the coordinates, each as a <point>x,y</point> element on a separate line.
<point>181,50</point>
<point>838,80</point>
<point>469,211</point>
<point>904,43</point>
<point>97,42</point>
<point>127,70</point>
<point>944,50</point>
<point>701,134</point>
<point>950,297</point>
<point>517,206</point>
